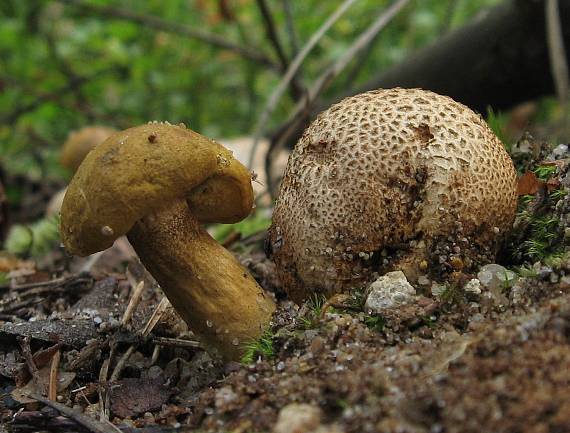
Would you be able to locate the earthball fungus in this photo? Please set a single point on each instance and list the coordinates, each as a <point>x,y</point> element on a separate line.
<point>157,183</point>
<point>390,179</point>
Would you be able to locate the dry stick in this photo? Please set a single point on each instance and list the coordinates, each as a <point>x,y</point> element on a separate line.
<point>54,282</point>
<point>177,342</point>
<point>364,39</point>
<point>290,25</point>
<point>155,354</point>
<point>291,72</point>
<point>89,423</point>
<point>271,32</point>
<point>556,51</point>
<point>152,321</point>
<point>29,358</point>
<point>102,391</point>
<point>133,302</point>
<point>253,54</point>
<point>156,316</point>
<point>52,392</point>
<point>121,363</point>
<point>333,71</point>
<point>273,36</point>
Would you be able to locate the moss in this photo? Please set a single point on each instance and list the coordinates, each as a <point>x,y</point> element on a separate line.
<point>33,240</point>
<point>375,323</point>
<point>262,347</point>
<point>545,172</point>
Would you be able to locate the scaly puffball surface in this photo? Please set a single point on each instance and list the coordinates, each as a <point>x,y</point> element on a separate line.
<point>388,170</point>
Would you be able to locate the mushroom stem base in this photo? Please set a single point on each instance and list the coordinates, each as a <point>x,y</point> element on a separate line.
<point>218,298</point>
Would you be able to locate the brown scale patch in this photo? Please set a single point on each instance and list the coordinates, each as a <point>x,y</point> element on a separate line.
<point>423,132</point>
<point>398,163</point>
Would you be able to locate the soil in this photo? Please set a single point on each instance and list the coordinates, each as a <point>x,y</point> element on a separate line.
<point>453,360</point>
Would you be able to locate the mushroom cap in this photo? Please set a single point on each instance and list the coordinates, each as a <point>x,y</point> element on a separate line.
<point>80,143</point>
<point>143,169</point>
<point>387,169</point>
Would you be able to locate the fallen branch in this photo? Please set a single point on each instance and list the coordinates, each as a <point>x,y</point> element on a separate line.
<point>83,420</point>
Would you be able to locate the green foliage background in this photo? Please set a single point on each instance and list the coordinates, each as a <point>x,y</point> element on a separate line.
<point>63,67</point>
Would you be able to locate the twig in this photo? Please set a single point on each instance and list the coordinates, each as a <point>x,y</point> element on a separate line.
<point>89,423</point>
<point>149,21</point>
<point>54,282</point>
<point>271,32</point>
<point>156,316</point>
<point>102,391</point>
<point>150,324</point>
<point>273,36</point>
<point>177,342</point>
<point>290,25</point>
<point>364,39</point>
<point>121,363</point>
<point>29,358</point>
<point>291,71</point>
<point>133,302</point>
<point>52,391</point>
<point>155,354</point>
<point>303,106</point>
<point>556,51</point>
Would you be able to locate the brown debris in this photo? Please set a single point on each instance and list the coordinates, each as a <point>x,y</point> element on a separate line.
<point>528,183</point>
<point>130,397</point>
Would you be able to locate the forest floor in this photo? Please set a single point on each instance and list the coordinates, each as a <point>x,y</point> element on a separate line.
<point>92,347</point>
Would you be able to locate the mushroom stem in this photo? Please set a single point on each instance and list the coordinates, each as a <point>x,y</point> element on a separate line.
<point>214,294</point>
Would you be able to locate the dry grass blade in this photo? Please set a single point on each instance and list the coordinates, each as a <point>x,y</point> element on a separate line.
<point>52,391</point>
<point>133,302</point>
<point>290,74</point>
<point>556,51</point>
<point>334,70</point>
<point>157,314</point>
<point>177,342</point>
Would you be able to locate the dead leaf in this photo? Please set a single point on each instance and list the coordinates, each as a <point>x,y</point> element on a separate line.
<point>64,379</point>
<point>130,397</point>
<point>528,183</point>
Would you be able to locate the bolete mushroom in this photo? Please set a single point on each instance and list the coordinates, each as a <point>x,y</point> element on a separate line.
<point>74,150</point>
<point>157,183</point>
<point>80,143</point>
<point>390,179</point>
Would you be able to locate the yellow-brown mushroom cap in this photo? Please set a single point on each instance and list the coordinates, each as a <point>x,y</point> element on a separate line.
<point>387,169</point>
<point>143,169</point>
<point>80,143</point>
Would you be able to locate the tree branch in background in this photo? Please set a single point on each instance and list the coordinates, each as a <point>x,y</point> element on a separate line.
<point>273,36</point>
<point>500,59</point>
<point>290,74</point>
<point>556,51</point>
<point>303,108</point>
<point>252,54</point>
<point>290,25</point>
<point>271,33</point>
